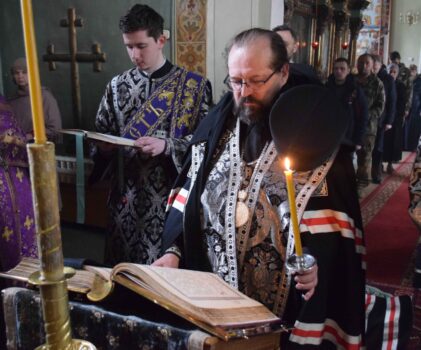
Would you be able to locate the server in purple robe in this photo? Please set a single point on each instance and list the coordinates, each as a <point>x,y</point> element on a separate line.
<point>17,226</point>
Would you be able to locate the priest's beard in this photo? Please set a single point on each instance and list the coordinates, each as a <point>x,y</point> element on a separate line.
<point>253,113</point>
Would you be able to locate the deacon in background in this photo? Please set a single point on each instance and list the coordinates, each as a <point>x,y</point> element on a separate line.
<point>290,39</point>
<point>159,105</point>
<point>21,104</point>
<point>299,73</point>
<point>229,211</point>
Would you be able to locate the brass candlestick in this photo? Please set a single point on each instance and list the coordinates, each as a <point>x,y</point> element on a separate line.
<point>51,279</point>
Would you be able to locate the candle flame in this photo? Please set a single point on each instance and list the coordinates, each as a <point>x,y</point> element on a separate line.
<point>287,164</point>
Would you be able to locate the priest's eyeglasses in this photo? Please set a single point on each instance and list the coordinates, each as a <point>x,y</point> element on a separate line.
<point>235,84</point>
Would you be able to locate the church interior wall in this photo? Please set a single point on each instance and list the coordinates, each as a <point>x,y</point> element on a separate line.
<point>406,38</point>
<point>225,19</point>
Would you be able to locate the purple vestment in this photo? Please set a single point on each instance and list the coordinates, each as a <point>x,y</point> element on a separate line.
<point>17,224</point>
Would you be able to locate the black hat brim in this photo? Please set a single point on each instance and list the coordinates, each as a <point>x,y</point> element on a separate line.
<point>307,124</point>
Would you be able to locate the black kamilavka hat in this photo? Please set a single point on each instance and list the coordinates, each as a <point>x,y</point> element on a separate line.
<point>307,124</point>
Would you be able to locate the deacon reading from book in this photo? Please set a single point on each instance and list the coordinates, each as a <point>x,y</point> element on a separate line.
<point>229,212</point>
<point>158,105</point>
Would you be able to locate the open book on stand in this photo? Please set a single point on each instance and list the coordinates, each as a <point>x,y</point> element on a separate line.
<point>116,140</point>
<point>199,297</point>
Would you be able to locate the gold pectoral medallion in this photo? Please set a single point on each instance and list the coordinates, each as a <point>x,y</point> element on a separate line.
<point>242,211</point>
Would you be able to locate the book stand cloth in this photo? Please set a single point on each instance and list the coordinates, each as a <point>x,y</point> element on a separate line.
<point>110,330</point>
<point>105,329</point>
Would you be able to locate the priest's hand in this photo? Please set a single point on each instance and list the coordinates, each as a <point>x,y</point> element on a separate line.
<point>151,146</point>
<point>307,281</point>
<point>167,260</point>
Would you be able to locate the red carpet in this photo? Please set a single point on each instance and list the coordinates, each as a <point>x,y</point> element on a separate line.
<point>390,235</point>
<point>391,238</point>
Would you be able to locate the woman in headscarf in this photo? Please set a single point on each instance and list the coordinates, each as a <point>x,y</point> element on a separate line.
<point>21,104</point>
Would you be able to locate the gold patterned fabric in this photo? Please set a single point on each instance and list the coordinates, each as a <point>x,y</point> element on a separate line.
<point>167,104</point>
<point>17,226</point>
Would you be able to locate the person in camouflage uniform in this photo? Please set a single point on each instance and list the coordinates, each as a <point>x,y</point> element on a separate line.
<point>374,92</point>
<point>405,77</point>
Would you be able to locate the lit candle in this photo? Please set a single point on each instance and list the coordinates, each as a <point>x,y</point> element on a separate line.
<point>33,74</point>
<point>292,208</point>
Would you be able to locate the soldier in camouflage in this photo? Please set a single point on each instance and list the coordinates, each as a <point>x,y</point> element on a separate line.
<point>374,92</point>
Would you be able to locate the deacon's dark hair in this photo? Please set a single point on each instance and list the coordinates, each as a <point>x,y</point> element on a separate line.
<point>249,36</point>
<point>142,17</point>
<point>342,59</point>
<point>285,28</point>
<point>394,55</point>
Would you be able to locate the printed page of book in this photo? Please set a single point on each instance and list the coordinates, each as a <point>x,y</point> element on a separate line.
<point>204,292</point>
<point>82,282</point>
<point>116,140</point>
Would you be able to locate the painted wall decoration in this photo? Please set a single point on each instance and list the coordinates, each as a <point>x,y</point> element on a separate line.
<point>191,35</point>
<point>376,26</point>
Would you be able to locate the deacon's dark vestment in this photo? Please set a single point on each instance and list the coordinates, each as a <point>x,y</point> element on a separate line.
<point>166,104</point>
<point>201,220</point>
